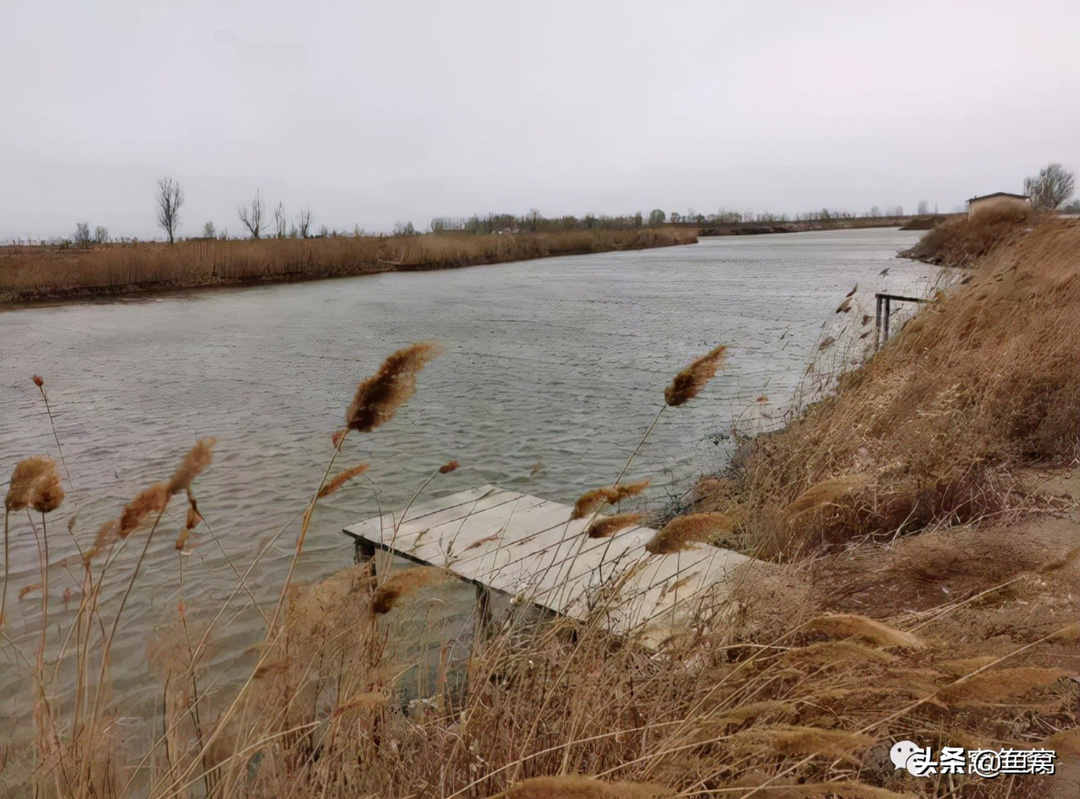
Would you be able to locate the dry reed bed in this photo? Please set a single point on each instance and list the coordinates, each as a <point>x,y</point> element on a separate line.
<point>29,273</point>
<point>777,693</point>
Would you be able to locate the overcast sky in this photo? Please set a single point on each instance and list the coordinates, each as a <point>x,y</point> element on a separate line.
<point>378,112</point>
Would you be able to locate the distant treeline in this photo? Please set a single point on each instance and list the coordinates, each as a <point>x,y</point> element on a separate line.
<point>534,222</point>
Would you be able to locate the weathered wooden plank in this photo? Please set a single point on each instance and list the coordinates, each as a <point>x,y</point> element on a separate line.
<point>680,580</point>
<point>380,530</point>
<point>526,546</point>
<point>447,542</point>
<point>530,533</point>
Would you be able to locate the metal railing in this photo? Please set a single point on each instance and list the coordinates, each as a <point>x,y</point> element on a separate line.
<point>882,312</point>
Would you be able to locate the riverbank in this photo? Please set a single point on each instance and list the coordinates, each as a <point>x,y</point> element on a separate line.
<point>984,380</point>
<point>44,274</point>
<point>938,492</point>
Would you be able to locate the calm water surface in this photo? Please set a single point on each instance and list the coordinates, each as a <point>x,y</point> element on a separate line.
<point>551,371</point>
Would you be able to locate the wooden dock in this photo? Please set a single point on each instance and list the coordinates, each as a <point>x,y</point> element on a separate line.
<point>527,548</point>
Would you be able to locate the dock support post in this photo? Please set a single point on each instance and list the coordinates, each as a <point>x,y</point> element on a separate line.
<point>364,552</point>
<point>888,312</point>
<point>483,609</point>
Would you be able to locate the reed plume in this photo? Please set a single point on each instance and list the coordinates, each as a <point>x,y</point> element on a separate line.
<point>961,667</point>
<point>753,711</point>
<point>588,502</point>
<point>605,528</point>
<point>272,667</point>
<point>824,493</point>
<point>106,535</point>
<point>35,484</point>
<point>833,653</point>
<point>1067,741</point>
<point>194,463</point>
<point>688,383</point>
<point>366,700</point>
<point>606,495</point>
<point>836,744</point>
<point>1000,684</point>
<point>341,479</point>
<point>850,625</point>
<point>378,397</point>
<point>151,500</point>
<point>681,532</point>
<point>1066,635</point>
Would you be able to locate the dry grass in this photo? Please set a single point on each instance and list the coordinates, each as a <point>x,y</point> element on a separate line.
<point>34,273</point>
<point>931,430</point>
<point>962,240</point>
<point>789,691</point>
<point>577,787</point>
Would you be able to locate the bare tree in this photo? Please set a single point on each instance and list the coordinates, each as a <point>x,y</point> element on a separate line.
<point>101,235</point>
<point>169,200</point>
<point>1050,188</point>
<point>303,222</point>
<point>252,217</point>
<point>208,230</point>
<point>82,238</point>
<point>279,221</point>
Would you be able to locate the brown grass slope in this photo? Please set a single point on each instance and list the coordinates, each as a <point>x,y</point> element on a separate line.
<point>37,273</point>
<point>932,429</point>
<point>961,240</point>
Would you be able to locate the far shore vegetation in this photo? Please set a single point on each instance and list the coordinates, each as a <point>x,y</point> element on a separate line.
<point>45,273</point>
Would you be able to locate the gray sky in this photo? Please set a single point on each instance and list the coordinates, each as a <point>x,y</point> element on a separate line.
<point>378,112</point>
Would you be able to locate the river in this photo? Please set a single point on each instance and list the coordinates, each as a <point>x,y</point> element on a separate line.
<point>551,370</point>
